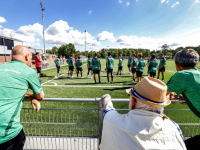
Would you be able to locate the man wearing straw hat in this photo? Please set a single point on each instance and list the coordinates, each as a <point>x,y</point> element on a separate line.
<point>145,126</point>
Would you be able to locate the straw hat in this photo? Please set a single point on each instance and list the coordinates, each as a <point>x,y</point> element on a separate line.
<point>150,91</point>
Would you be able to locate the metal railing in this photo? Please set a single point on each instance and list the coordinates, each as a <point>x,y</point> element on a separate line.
<point>81,129</point>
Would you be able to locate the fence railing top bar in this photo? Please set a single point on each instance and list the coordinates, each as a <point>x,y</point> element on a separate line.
<point>93,100</point>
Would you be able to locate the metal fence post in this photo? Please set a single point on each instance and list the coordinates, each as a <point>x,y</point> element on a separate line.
<point>100,121</point>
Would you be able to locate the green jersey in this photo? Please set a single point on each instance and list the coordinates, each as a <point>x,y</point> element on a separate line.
<point>70,61</point>
<point>153,65</point>
<point>187,83</point>
<point>110,62</point>
<point>96,63</point>
<point>129,61</point>
<point>162,61</point>
<point>89,61</point>
<point>134,62</point>
<point>57,61</point>
<point>141,64</point>
<point>120,62</point>
<point>79,64</point>
<point>16,79</point>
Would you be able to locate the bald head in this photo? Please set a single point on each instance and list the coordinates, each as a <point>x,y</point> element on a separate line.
<point>22,53</point>
<point>20,50</point>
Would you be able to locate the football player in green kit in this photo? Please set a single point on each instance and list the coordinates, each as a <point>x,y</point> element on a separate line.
<point>133,66</point>
<point>153,63</point>
<point>96,67</point>
<point>70,61</point>
<point>120,65</point>
<point>89,66</point>
<point>140,66</point>
<point>129,63</point>
<point>57,62</point>
<point>109,66</point>
<point>79,64</point>
<point>162,66</point>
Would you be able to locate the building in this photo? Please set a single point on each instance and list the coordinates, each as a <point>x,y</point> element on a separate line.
<point>6,46</point>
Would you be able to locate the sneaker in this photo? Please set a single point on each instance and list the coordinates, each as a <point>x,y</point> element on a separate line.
<point>77,77</point>
<point>108,82</point>
<point>91,78</point>
<point>111,82</point>
<point>133,81</point>
<point>58,76</point>
<point>86,77</point>
<point>81,77</point>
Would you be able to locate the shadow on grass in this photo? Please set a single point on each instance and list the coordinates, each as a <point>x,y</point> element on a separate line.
<point>116,89</point>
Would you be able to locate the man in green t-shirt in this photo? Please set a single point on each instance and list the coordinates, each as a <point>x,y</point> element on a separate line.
<point>57,62</point>
<point>109,66</point>
<point>153,63</point>
<point>96,67</point>
<point>162,66</point>
<point>186,84</point>
<point>79,64</point>
<point>120,65</point>
<point>133,66</point>
<point>70,62</point>
<point>17,78</point>
<point>89,66</point>
<point>129,63</point>
<point>140,67</point>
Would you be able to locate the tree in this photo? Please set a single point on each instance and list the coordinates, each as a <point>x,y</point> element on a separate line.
<point>169,54</point>
<point>165,48</point>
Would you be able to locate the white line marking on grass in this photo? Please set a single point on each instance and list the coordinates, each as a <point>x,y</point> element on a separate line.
<point>55,84</point>
<point>90,86</point>
<point>56,77</point>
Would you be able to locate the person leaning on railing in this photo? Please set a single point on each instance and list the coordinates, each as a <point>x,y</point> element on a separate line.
<point>145,126</point>
<point>186,83</point>
<point>16,79</point>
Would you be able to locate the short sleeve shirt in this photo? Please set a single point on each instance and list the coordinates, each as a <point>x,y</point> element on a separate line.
<point>17,79</point>
<point>154,64</point>
<point>129,61</point>
<point>141,64</point>
<point>79,64</point>
<point>96,63</point>
<point>89,61</point>
<point>120,62</point>
<point>110,62</point>
<point>70,61</point>
<point>162,61</point>
<point>37,62</point>
<point>187,83</point>
<point>134,62</point>
<point>58,62</point>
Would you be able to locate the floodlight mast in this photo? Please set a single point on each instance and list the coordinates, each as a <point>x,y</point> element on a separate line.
<point>85,43</point>
<point>42,8</point>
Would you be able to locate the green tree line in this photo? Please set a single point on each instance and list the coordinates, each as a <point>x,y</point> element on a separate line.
<point>67,49</point>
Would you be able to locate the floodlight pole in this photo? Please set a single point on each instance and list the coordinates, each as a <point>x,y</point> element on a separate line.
<point>42,8</point>
<point>85,43</point>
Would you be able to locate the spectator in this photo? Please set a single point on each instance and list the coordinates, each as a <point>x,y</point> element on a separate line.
<point>17,79</point>
<point>38,61</point>
<point>162,66</point>
<point>187,83</point>
<point>57,62</point>
<point>145,127</point>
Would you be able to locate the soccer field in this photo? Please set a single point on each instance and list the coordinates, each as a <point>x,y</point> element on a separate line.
<point>64,87</point>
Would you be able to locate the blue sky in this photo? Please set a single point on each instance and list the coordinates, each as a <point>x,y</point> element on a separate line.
<point>113,23</point>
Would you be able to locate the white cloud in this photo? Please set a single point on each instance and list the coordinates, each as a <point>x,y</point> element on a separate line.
<point>128,3</point>
<point>196,1</point>
<point>90,12</point>
<point>1,26</point>
<point>2,19</point>
<point>136,0</point>
<point>120,1</point>
<point>35,29</point>
<point>167,1</point>
<point>162,1</point>
<point>59,27</point>
<point>105,35</point>
<point>177,3</point>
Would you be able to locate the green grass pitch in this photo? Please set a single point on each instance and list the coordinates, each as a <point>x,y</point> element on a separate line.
<point>64,87</point>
